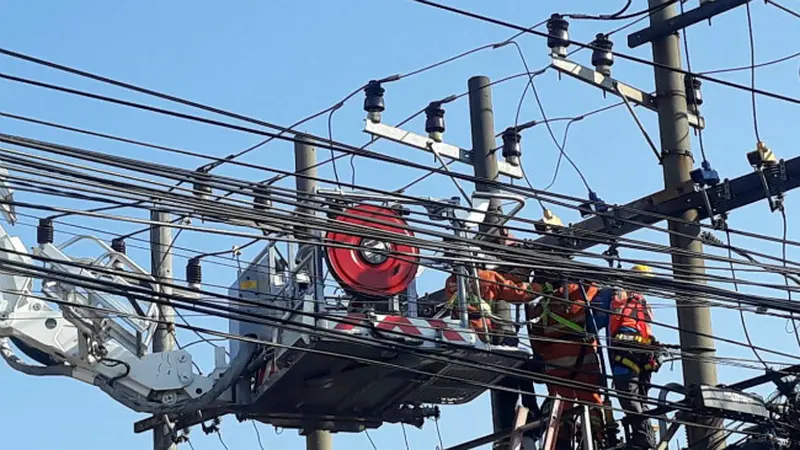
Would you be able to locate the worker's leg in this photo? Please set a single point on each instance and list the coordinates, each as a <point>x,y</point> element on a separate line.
<point>630,400</point>
<point>504,405</point>
<point>526,385</point>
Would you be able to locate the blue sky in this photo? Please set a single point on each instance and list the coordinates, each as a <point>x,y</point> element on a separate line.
<point>280,61</point>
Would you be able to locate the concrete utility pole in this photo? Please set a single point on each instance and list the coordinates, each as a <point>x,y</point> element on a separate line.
<point>485,161</point>
<point>305,160</point>
<point>485,164</point>
<point>163,339</point>
<point>677,163</point>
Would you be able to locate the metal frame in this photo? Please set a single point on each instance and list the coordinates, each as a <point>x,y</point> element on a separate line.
<point>706,10</point>
<point>437,148</point>
<point>610,85</point>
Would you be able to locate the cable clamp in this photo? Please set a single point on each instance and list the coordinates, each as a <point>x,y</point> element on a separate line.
<point>678,152</point>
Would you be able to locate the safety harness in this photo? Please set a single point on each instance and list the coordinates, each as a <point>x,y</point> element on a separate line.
<point>547,314</point>
<point>644,361</point>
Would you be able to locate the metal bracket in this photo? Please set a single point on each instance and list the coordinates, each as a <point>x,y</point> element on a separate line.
<point>429,145</point>
<point>706,10</point>
<point>616,87</point>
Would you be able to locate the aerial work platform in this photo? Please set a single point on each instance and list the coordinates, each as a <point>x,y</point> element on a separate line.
<point>376,379</point>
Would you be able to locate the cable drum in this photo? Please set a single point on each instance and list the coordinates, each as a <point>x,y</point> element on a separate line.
<point>368,271</point>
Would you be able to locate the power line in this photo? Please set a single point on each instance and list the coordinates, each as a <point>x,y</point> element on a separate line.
<point>590,254</point>
<point>752,69</point>
<point>621,55</point>
<point>258,435</point>
<point>461,176</point>
<point>374,447</point>
<point>757,66</point>
<point>783,8</point>
<point>544,117</point>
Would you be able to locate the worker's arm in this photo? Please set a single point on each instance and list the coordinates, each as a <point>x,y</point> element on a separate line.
<point>512,291</point>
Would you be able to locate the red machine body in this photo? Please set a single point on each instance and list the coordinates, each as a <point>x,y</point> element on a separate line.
<point>372,273</point>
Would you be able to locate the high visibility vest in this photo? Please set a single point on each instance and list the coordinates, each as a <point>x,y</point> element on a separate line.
<point>474,303</point>
<point>631,311</point>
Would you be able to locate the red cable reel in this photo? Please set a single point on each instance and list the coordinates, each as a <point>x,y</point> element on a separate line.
<point>370,273</point>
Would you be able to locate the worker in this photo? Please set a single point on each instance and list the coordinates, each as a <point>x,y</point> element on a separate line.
<point>567,351</point>
<point>508,285</point>
<point>491,287</point>
<point>633,353</point>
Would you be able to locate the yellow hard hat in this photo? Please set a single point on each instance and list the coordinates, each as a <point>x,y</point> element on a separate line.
<point>644,270</point>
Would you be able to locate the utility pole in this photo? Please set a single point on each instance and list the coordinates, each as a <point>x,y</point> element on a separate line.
<point>693,318</point>
<point>484,160</point>
<point>163,339</point>
<point>305,160</point>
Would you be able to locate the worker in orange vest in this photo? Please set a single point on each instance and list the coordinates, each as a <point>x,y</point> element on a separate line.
<point>492,287</point>
<point>633,353</point>
<point>569,354</point>
<point>504,284</point>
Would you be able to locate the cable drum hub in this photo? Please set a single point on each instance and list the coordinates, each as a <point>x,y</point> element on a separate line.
<point>367,266</point>
<point>378,253</point>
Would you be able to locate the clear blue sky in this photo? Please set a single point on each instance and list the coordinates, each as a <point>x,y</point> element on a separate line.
<point>282,60</point>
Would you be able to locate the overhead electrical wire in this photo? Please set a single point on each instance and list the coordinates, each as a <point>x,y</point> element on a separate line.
<point>757,66</point>
<point>258,435</point>
<point>694,100</point>
<point>615,53</point>
<point>223,252</point>
<point>619,15</point>
<point>374,447</point>
<point>784,240</point>
<point>612,16</point>
<point>649,244</point>
<point>471,178</point>
<point>544,117</point>
<point>462,176</point>
<point>741,313</point>
<point>372,155</point>
<point>783,8</point>
<point>785,223</point>
<point>752,69</point>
